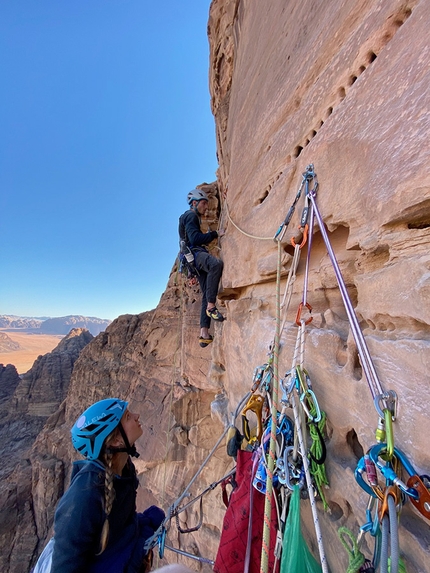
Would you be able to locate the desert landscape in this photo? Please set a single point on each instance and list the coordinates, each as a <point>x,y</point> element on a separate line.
<point>31,346</point>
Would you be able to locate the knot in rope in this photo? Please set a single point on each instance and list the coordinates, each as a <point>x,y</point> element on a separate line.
<point>356,558</point>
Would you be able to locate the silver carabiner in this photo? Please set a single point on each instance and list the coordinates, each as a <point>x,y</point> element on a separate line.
<point>304,395</point>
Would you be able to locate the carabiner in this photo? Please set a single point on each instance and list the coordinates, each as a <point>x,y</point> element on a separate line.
<point>305,396</point>
<point>389,432</point>
<point>257,377</point>
<point>388,472</point>
<point>162,542</point>
<point>394,492</point>
<point>304,231</point>
<point>299,313</point>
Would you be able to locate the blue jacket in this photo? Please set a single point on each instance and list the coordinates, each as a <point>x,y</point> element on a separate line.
<point>79,521</point>
<point>189,231</point>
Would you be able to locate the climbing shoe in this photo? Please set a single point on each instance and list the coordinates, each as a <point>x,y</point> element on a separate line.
<point>205,341</point>
<point>215,314</point>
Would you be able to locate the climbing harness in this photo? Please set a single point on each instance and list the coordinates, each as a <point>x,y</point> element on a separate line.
<point>186,259</point>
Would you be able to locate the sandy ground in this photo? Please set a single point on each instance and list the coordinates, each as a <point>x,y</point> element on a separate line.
<point>31,347</point>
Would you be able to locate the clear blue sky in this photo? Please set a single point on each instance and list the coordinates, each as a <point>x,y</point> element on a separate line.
<point>105,126</point>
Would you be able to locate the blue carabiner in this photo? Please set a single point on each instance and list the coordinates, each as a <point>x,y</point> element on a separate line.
<point>162,542</point>
<point>388,472</point>
<point>359,470</point>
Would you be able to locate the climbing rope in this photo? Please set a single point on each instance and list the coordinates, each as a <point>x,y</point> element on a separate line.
<point>356,558</point>
<point>303,452</point>
<point>159,534</point>
<point>264,565</point>
<point>241,230</point>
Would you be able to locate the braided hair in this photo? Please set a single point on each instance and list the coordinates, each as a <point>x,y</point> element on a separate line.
<point>106,457</point>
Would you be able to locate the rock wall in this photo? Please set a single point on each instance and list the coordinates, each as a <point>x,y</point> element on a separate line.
<point>344,86</point>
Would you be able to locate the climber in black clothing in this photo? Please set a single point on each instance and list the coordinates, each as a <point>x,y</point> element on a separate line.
<point>209,268</point>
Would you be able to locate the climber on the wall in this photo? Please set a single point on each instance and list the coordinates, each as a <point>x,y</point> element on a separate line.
<point>96,527</point>
<point>209,268</point>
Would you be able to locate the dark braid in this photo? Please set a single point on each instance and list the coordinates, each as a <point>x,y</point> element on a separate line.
<point>107,458</point>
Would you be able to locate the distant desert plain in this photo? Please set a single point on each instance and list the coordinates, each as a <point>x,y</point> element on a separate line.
<point>31,346</point>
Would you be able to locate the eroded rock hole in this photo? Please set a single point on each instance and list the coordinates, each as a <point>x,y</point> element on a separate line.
<point>336,512</point>
<point>357,369</point>
<point>298,151</point>
<point>354,444</point>
<point>264,197</point>
<point>419,225</point>
<point>371,57</point>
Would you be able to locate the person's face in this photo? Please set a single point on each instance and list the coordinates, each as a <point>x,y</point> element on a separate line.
<point>132,428</point>
<point>202,206</point>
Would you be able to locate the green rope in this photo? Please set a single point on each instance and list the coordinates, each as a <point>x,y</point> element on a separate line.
<point>402,565</point>
<point>356,558</point>
<point>318,470</point>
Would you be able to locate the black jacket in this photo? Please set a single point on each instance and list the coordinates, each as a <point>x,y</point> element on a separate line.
<point>79,521</point>
<point>189,231</point>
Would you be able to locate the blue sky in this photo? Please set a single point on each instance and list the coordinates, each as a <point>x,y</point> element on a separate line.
<point>105,126</point>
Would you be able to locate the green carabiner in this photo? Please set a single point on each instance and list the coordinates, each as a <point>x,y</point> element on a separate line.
<point>389,432</point>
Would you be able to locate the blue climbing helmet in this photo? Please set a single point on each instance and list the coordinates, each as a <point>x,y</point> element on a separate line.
<point>196,195</point>
<point>93,427</point>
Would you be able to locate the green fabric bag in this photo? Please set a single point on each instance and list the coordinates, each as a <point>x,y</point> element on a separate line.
<point>296,556</point>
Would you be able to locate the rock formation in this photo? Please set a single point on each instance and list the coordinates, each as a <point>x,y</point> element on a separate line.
<point>26,404</point>
<point>7,344</point>
<point>342,86</point>
<point>9,380</point>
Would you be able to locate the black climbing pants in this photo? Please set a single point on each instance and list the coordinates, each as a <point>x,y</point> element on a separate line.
<point>210,271</point>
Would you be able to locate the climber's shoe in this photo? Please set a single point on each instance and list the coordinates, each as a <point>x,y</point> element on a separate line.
<point>205,341</point>
<point>214,314</point>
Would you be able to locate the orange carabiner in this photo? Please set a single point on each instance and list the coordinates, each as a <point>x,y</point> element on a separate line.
<point>304,231</point>
<point>299,313</point>
<point>395,493</point>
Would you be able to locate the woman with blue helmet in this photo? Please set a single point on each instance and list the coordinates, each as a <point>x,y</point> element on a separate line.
<point>96,527</point>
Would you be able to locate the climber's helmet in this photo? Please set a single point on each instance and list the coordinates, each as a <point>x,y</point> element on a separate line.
<point>93,427</point>
<point>196,195</point>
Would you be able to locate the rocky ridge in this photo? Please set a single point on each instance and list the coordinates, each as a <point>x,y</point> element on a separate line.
<point>57,325</point>
<point>26,404</point>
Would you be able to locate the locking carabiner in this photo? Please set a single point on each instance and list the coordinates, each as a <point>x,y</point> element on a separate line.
<point>388,472</point>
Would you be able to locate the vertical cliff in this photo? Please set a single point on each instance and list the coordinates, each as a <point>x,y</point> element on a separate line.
<point>343,86</point>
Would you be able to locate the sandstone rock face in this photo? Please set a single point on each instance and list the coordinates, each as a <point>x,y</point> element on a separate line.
<point>26,404</point>
<point>344,86</point>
